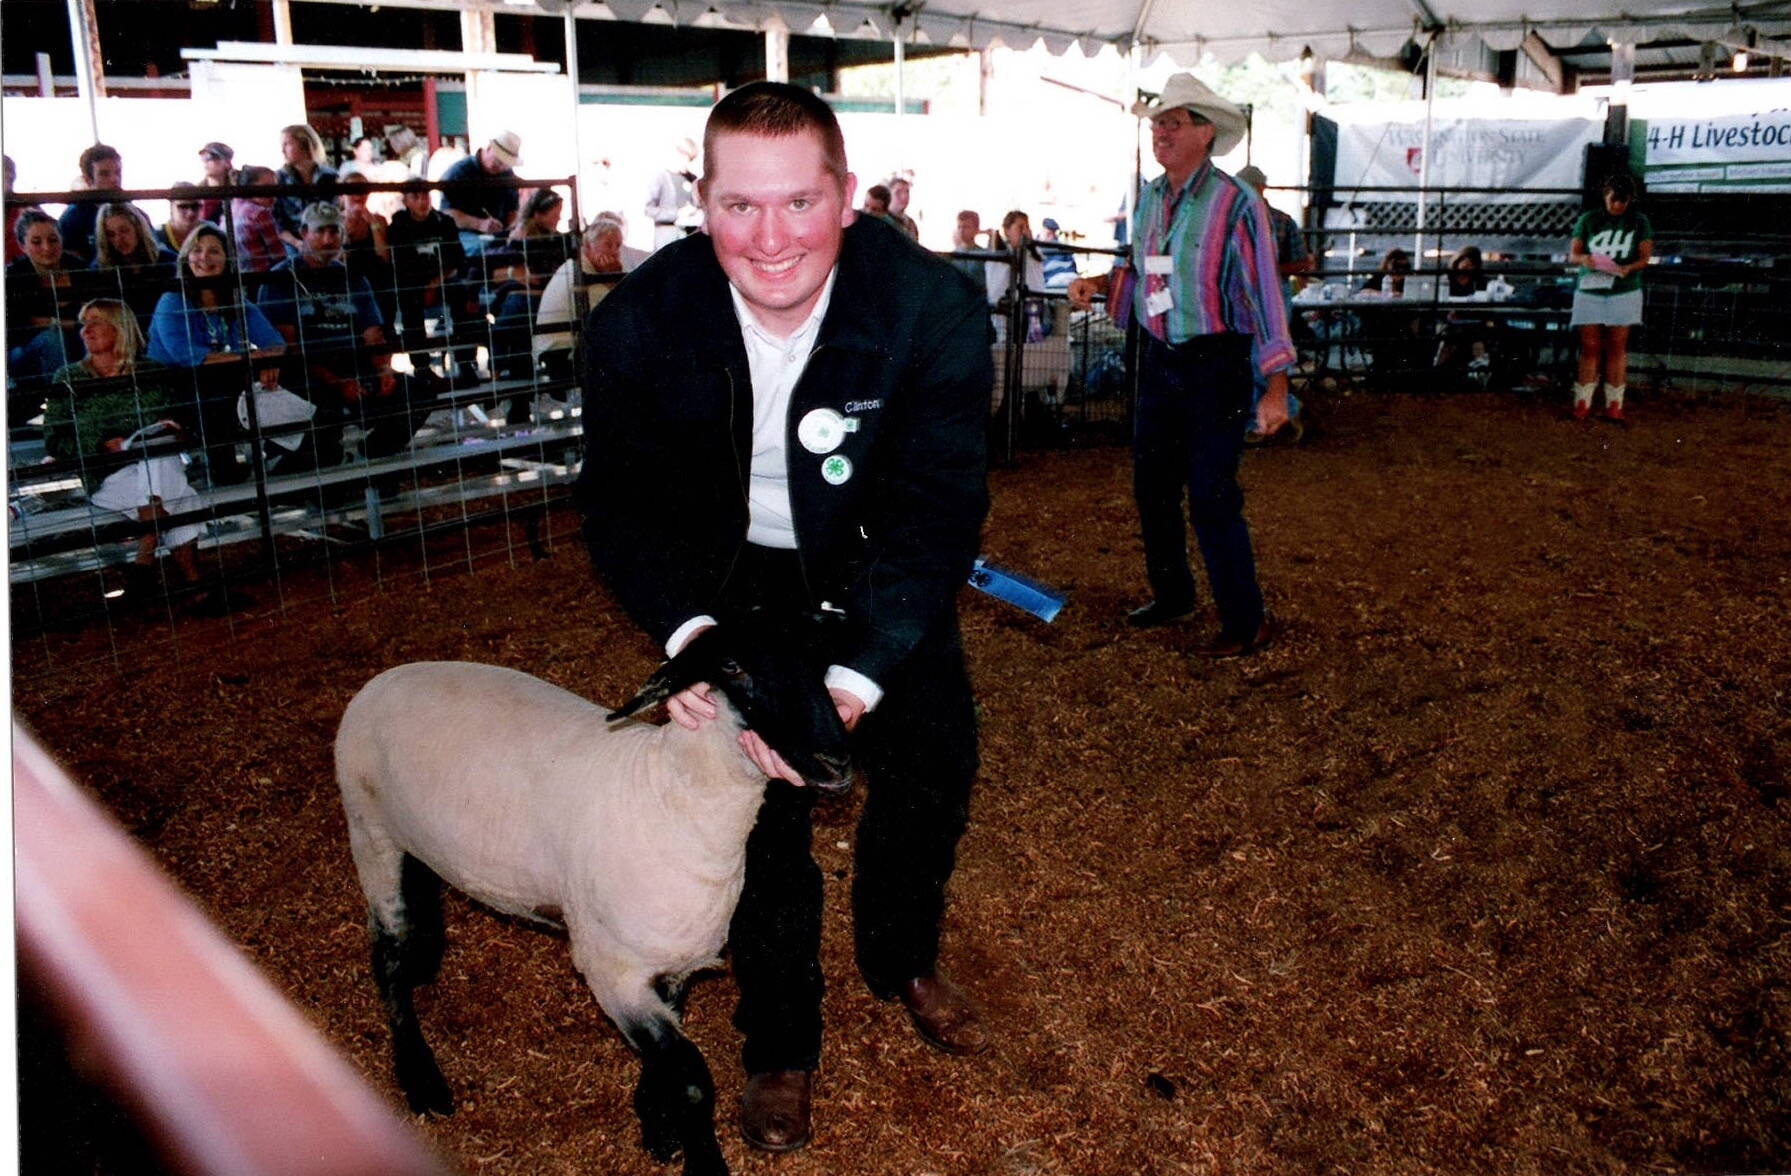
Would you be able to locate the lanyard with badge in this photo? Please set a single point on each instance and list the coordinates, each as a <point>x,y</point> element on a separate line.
<point>1159,299</point>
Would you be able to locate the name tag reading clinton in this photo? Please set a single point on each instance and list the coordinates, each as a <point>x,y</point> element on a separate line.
<point>821,430</point>
<point>1158,263</point>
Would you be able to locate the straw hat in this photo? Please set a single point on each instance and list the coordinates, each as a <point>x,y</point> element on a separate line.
<point>1184,91</point>
<point>507,146</point>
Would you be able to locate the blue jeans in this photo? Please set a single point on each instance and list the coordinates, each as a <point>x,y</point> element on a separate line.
<point>1193,406</point>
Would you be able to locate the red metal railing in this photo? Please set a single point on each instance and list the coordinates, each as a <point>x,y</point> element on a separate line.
<point>215,1066</point>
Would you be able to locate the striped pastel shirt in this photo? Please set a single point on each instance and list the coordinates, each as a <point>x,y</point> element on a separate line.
<point>1225,276</point>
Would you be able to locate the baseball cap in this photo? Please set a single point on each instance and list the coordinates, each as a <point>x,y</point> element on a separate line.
<point>218,150</point>
<point>323,214</point>
<point>1051,223</point>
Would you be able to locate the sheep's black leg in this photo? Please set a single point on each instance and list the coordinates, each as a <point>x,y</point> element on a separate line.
<point>422,894</point>
<point>407,951</point>
<point>675,1097</point>
<point>672,990</point>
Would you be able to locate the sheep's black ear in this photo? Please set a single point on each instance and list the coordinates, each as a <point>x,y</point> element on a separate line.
<point>657,689</point>
<point>677,674</point>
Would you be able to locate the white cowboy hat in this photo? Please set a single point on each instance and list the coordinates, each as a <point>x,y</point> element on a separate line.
<point>1184,91</point>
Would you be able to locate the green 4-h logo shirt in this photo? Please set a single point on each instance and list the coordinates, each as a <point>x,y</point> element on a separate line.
<point>1616,237</point>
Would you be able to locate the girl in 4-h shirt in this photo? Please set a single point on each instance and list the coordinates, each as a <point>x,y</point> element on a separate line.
<point>1610,246</point>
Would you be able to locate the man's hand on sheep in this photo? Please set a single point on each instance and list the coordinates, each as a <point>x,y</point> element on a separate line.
<point>693,707</point>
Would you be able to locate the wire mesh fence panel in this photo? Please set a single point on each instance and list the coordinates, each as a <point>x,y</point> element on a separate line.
<point>1074,383</point>
<point>384,402</point>
<point>261,421</point>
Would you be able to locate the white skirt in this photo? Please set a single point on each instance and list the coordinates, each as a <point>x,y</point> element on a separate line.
<point>130,489</point>
<point>1607,310</point>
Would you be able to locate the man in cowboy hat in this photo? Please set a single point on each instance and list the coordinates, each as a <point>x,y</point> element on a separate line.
<point>1202,284</point>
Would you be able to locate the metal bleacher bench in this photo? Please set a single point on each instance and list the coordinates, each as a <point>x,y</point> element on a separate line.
<point>56,531</point>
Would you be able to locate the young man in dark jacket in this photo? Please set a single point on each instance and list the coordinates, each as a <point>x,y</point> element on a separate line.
<point>787,410</point>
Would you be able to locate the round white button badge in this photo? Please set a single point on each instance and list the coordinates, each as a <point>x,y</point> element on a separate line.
<point>836,470</point>
<point>821,430</point>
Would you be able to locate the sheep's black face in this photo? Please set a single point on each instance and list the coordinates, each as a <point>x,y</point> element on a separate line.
<point>777,690</point>
<point>772,677</point>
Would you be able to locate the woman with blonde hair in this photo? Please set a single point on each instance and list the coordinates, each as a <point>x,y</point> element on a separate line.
<point>128,261</point>
<point>111,400</point>
<point>302,149</point>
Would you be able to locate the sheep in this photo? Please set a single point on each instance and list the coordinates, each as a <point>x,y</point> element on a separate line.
<point>631,837</point>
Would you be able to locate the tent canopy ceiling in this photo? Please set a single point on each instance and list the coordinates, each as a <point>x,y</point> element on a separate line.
<point>1278,29</point>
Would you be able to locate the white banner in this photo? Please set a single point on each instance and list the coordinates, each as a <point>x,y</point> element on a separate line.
<point>1738,138</point>
<point>1504,154</point>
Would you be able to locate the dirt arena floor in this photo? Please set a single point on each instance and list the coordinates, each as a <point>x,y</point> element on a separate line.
<point>1483,868</point>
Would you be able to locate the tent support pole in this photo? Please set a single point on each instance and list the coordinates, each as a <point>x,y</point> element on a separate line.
<point>578,155</point>
<point>1430,102</point>
<point>900,100</point>
<point>90,69</point>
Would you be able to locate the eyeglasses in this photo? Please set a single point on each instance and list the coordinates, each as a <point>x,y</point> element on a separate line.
<point>184,206</point>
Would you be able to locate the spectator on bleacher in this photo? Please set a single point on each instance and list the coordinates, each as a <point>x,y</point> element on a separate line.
<point>535,251</point>
<point>899,192</point>
<point>44,292</point>
<point>1016,234</point>
<point>538,241</point>
<point>671,201</point>
<point>1389,277</point>
<point>404,148</point>
<point>1467,273</point>
<point>185,212</point>
<point>343,364</point>
<point>368,253</point>
<point>259,246</point>
<point>487,206</point>
<point>218,164</point>
<point>9,175</point>
<point>128,262</point>
<point>572,292</point>
<point>876,203</point>
<point>361,161</point>
<point>540,216</point>
<point>99,406</point>
<point>1611,247</point>
<point>1465,356</point>
<point>204,326</point>
<point>965,239</point>
<point>302,150</point>
<point>427,261</point>
<point>102,170</point>
<point>1401,351</point>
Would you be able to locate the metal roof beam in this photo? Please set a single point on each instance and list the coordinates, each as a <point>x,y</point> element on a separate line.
<point>367,58</point>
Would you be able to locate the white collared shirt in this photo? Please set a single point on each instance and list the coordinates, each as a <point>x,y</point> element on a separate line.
<point>776,365</point>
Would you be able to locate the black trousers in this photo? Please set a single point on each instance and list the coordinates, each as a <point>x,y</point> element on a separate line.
<point>1188,435</point>
<point>917,752</point>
